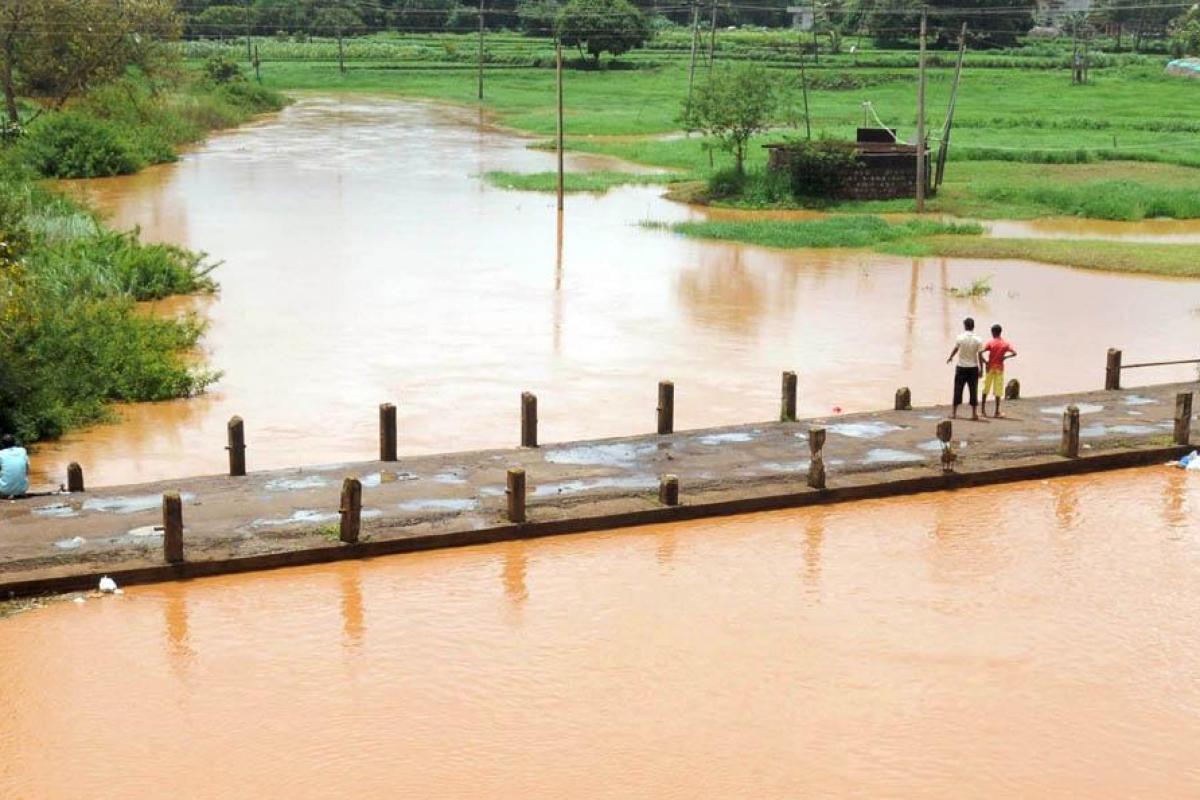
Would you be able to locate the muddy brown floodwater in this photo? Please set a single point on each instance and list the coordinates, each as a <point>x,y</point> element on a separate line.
<point>365,261</point>
<point>1033,640</point>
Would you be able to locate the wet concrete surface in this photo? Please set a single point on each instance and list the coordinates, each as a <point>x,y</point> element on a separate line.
<point>285,510</point>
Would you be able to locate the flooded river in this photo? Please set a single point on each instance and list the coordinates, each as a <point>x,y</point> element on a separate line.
<point>1034,640</point>
<point>365,260</point>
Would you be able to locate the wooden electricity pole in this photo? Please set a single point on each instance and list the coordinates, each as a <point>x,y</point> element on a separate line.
<point>480,49</point>
<point>804,87</point>
<point>712,38</point>
<point>695,42</point>
<point>944,145</point>
<point>559,68</point>
<point>921,117</point>
<point>249,52</point>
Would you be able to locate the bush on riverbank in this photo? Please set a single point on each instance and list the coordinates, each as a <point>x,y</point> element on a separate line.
<point>71,338</point>
<point>124,126</point>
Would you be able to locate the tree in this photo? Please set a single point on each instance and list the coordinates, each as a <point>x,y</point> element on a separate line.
<point>55,49</point>
<point>219,21</point>
<point>537,16</point>
<point>1185,33</point>
<point>602,26</point>
<point>733,105</point>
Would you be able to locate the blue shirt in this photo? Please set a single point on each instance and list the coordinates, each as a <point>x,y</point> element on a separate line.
<point>14,472</point>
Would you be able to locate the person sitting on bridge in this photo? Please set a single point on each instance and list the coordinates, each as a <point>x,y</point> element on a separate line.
<point>998,351</point>
<point>14,468</point>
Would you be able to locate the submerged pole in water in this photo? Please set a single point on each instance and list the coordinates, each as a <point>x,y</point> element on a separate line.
<point>529,420</point>
<point>787,399</point>
<point>1183,418</point>
<point>666,408</point>
<point>74,477</point>
<point>1070,433</point>
<point>816,466</point>
<point>351,510</point>
<point>237,446</point>
<point>172,508</point>
<point>387,432</point>
<point>668,490</point>
<point>515,494</point>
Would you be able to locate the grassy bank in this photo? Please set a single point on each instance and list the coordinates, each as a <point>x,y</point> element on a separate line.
<point>919,238</point>
<point>72,338</point>
<point>835,231</point>
<point>1175,260</point>
<point>598,181</point>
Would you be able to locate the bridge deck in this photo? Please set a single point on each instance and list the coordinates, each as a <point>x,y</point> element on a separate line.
<point>290,516</point>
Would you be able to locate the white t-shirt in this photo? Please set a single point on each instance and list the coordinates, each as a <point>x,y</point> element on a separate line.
<point>969,346</point>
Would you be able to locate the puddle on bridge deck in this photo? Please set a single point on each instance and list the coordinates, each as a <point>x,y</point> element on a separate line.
<point>1033,640</point>
<point>366,261</point>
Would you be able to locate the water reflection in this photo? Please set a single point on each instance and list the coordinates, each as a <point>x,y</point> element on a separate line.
<point>350,592</point>
<point>513,574</point>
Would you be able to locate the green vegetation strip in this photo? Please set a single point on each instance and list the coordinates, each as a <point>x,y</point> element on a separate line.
<point>1178,260</point>
<point>836,231</point>
<point>927,238</point>
<point>599,181</point>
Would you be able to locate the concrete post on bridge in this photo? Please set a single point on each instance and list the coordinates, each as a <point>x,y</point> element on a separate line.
<point>1012,391</point>
<point>668,490</point>
<point>945,435</point>
<point>903,399</point>
<point>172,508</point>
<point>1112,370</point>
<point>787,399</point>
<point>666,408</point>
<point>515,495</point>
<point>816,465</point>
<point>387,432</point>
<point>236,431</point>
<point>529,420</point>
<point>1070,433</point>
<point>1183,418</point>
<point>74,478</point>
<point>351,511</point>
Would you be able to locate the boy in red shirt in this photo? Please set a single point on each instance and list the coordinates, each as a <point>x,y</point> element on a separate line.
<point>997,351</point>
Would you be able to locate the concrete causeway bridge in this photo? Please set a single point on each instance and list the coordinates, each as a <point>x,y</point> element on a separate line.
<point>261,520</point>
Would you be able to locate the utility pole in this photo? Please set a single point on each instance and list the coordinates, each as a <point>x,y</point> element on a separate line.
<point>695,42</point>
<point>249,52</point>
<point>559,70</point>
<point>257,64</point>
<point>816,44</point>
<point>944,146</point>
<point>921,117</point>
<point>712,38</point>
<point>480,49</point>
<point>804,86</point>
<point>341,49</point>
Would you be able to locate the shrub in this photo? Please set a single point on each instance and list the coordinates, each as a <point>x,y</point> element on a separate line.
<point>220,69</point>
<point>73,145</point>
<point>818,169</point>
<point>726,183</point>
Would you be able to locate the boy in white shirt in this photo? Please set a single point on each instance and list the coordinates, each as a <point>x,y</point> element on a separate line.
<point>968,347</point>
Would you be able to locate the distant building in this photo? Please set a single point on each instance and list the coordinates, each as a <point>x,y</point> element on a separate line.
<point>802,17</point>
